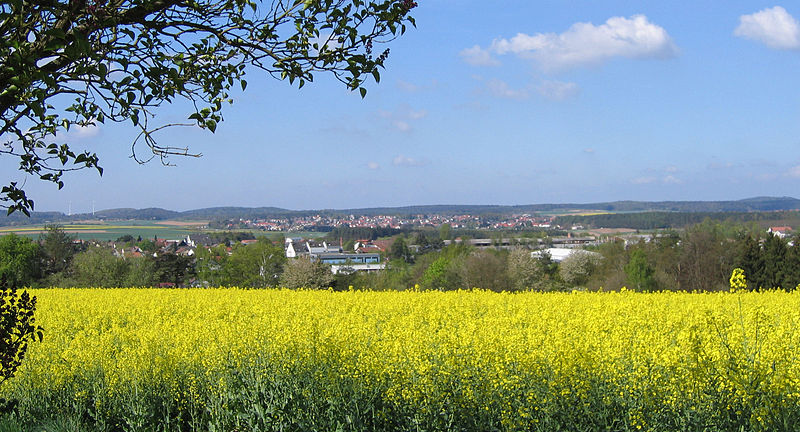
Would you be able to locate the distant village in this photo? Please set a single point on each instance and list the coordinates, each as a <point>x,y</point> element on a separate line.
<point>315,222</point>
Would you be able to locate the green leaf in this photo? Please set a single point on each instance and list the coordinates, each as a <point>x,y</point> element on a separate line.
<point>363,92</point>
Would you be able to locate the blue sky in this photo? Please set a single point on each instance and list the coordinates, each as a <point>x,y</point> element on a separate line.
<point>511,102</point>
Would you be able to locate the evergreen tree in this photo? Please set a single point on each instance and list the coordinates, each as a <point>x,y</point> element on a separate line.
<point>792,268</point>
<point>750,258</point>
<point>774,262</point>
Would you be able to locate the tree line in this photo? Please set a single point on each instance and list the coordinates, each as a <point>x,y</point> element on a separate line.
<point>651,220</point>
<point>700,258</point>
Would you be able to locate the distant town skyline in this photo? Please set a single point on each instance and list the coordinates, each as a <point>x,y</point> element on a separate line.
<point>519,103</point>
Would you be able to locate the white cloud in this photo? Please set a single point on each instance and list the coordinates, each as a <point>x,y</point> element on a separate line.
<point>477,56</point>
<point>501,89</point>
<point>588,150</point>
<point>774,27</point>
<point>401,118</point>
<point>401,125</point>
<point>643,180</point>
<point>82,132</point>
<point>586,44</point>
<point>405,161</point>
<point>670,179</point>
<point>410,87</point>
<point>373,165</point>
<point>557,90</point>
<point>416,115</point>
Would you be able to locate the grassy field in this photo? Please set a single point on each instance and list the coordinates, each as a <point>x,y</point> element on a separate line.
<point>248,360</point>
<point>170,230</point>
<point>111,231</point>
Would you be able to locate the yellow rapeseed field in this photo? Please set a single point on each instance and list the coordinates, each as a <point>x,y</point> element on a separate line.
<point>230,359</point>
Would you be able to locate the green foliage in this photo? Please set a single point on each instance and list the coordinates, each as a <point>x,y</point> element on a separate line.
<point>140,272</point>
<point>776,271</point>
<point>257,265</point>
<point>445,232</point>
<point>65,64</point>
<point>773,264</point>
<point>706,258</point>
<point>640,272</point>
<point>399,250</point>
<point>174,269</point>
<point>446,271</point>
<point>19,260</point>
<point>210,264</point>
<point>98,267</point>
<point>58,249</point>
<point>650,220</point>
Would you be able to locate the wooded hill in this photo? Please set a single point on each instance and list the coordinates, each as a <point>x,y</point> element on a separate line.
<point>759,204</point>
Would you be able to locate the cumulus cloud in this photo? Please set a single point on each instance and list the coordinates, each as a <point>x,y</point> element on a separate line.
<point>586,44</point>
<point>477,56</point>
<point>405,161</point>
<point>557,90</point>
<point>77,132</point>
<point>373,165</point>
<point>501,89</point>
<point>773,27</point>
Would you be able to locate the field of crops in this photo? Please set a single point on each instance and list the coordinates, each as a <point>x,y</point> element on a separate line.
<point>108,231</point>
<point>245,360</point>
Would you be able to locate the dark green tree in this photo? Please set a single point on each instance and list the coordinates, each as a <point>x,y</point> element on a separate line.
<point>750,258</point>
<point>399,250</point>
<point>173,269</point>
<point>19,260</point>
<point>776,273</point>
<point>641,275</point>
<point>77,63</point>
<point>792,267</point>
<point>57,248</point>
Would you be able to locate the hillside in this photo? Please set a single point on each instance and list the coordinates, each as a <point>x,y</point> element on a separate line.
<point>218,213</point>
